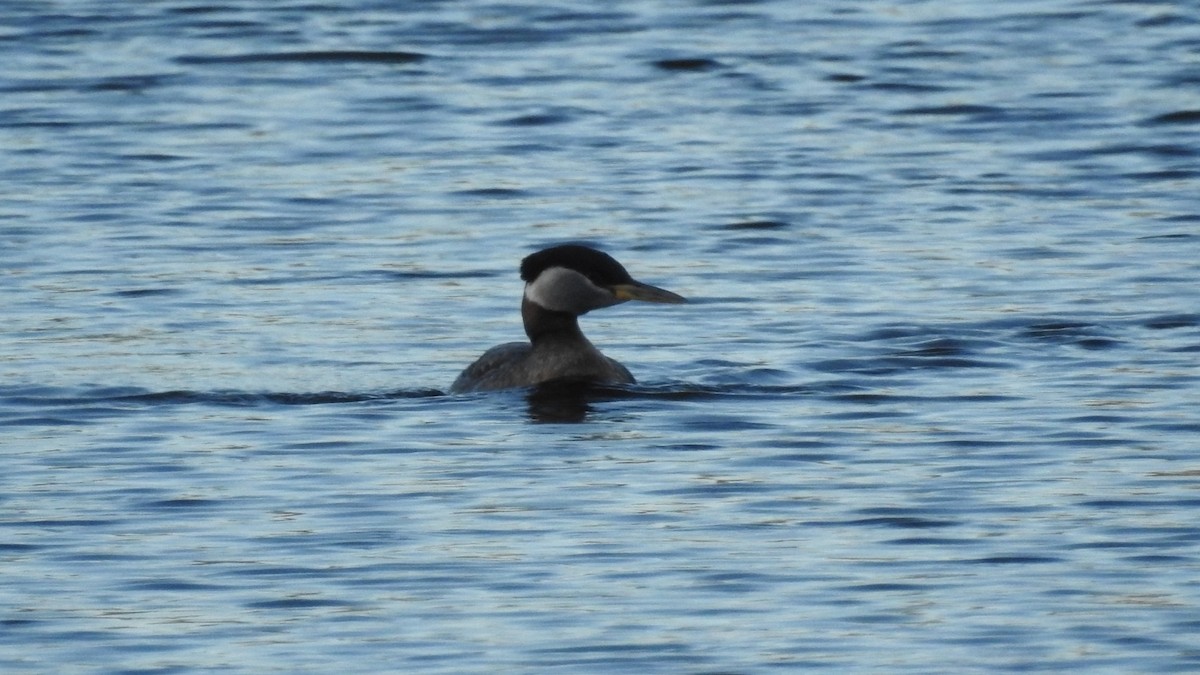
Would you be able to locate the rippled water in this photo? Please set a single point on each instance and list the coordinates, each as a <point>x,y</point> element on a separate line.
<point>932,408</point>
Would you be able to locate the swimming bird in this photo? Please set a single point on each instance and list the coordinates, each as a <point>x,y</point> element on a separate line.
<point>562,283</point>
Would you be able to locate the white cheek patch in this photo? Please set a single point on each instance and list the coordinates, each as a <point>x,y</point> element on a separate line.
<point>562,290</point>
<point>554,287</point>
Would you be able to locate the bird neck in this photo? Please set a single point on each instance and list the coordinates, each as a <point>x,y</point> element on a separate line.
<point>544,325</point>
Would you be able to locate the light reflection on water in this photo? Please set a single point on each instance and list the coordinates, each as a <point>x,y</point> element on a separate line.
<point>931,408</point>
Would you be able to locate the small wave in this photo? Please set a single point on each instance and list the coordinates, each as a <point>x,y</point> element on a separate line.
<point>1015,560</point>
<point>1177,117</point>
<point>54,397</point>
<point>687,64</point>
<point>493,193</point>
<point>756,225</point>
<point>959,109</point>
<point>1171,321</point>
<point>239,398</point>
<point>900,363</point>
<point>334,56</point>
<point>537,119</point>
<point>1080,334</point>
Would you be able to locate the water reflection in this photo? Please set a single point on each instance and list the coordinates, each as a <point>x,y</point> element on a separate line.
<point>565,401</point>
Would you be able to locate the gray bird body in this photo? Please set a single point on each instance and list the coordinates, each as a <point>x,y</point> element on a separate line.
<point>520,364</point>
<point>562,283</point>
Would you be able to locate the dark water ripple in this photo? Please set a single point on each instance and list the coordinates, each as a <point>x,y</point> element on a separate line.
<point>334,56</point>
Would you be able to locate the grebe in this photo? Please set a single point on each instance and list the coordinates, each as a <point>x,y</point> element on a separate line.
<point>562,283</point>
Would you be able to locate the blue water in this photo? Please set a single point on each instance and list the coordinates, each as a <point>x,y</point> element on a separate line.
<point>932,407</point>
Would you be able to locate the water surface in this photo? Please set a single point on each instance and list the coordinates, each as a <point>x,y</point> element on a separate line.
<point>932,407</point>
